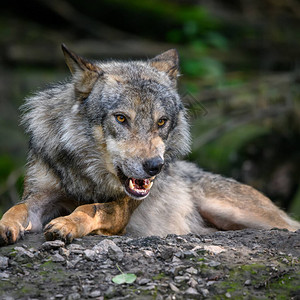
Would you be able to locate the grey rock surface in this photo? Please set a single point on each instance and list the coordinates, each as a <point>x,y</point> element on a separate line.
<point>233,264</point>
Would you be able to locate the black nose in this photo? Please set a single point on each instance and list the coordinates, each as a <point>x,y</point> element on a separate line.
<point>153,166</point>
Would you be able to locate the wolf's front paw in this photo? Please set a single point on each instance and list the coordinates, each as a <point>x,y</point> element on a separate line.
<point>10,232</point>
<point>62,228</point>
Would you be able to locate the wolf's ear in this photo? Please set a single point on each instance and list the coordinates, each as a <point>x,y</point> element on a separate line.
<point>167,62</point>
<point>85,72</point>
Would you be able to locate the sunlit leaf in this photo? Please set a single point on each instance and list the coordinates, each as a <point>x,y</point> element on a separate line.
<point>124,278</point>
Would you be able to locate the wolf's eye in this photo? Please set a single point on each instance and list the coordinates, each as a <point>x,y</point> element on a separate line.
<point>161,122</point>
<point>120,118</point>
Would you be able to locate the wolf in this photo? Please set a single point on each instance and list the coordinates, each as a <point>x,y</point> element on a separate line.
<point>105,151</point>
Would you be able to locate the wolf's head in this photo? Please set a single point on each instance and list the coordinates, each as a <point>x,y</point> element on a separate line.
<point>137,118</point>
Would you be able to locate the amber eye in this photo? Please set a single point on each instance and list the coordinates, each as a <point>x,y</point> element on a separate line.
<point>120,119</point>
<point>161,122</point>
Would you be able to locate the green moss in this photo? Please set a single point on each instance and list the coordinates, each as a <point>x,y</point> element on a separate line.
<point>253,269</point>
<point>159,276</point>
<point>25,290</point>
<point>200,259</point>
<point>265,282</point>
<point>48,264</point>
<point>284,286</point>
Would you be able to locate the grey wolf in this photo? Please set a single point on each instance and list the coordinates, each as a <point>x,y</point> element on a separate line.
<point>104,156</point>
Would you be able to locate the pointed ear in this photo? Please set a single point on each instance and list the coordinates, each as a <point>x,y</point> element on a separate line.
<point>84,72</point>
<point>167,62</point>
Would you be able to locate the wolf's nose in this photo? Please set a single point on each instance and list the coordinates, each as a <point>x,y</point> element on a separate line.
<point>153,166</point>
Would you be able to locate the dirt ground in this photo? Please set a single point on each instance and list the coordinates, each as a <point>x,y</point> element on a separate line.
<point>244,264</point>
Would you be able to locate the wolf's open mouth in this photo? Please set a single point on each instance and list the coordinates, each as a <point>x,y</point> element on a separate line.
<point>138,188</point>
<point>135,188</point>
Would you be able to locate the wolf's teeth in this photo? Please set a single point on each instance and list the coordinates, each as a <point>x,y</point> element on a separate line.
<point>131,184</point>
<point>148,186</point>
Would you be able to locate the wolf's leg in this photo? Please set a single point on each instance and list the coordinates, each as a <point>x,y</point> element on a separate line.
<point>13,224</point>
<point>100,218</point>
<point>31,214</point>
<point>229,205</point>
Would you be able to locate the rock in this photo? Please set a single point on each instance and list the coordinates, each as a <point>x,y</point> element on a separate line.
<point>3,262</point>
<point>74,296</point>
<point>95,294</point>
<point>176,270</point>
<point>110,248</point>
<point>59,296</point>
<point>6,297</point>
<point>189,254</point>
<point>213,263</point>
<point>192,270</point>
<point>179,254</point>
<point>214,249</point>
<point>149,287</point>
<point>175,259</point>
<point>23,255</point>
<point>148,253</point>
<point>70,265</point>
<point>52,245</point>
<point>115,253</point>
<point>248,282</point>
<point>64,252</point>
<point>285,260</point>
<point>4,275</point>
<point>180,278</point>
<point>192,282</point>
<point>57,258</point>
<point>191,291</point>
<point>204,292</point>
<point>22,251</point>
<point>110,292</point>
<point>89,254</point>
<point>166,253</point>
<point>210,282</point>
<point>174,288</point>
<point>76,248</point>
<point>143,281</point>
<point>195,240</point>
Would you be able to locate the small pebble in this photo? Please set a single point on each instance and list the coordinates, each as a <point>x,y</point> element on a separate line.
<point>95,294</point>
<point>248,282</point>
<point>143,281</point>
<point>191,291</point>
<point>174,288</point>
<point>74,296</point>
<point>192,270</point>
<point>214,263</point>
<point>204,292</point>
<point>89,254</point>
<point>52,245</point>
<point>57,258</point>
<point>3,262</point>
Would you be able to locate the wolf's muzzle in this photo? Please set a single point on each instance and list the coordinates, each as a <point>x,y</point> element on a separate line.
<point>153,166</point>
